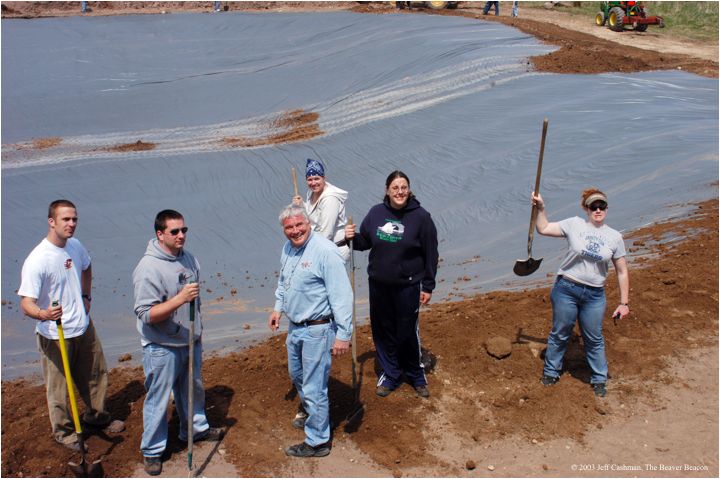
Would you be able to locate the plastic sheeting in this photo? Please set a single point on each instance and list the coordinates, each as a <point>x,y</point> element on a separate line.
<point>451,101</point>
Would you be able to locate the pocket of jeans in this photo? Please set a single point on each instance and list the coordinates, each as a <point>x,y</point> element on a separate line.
<point>318,331</point>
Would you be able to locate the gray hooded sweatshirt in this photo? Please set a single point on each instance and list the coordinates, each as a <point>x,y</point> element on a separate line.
<point>158,277</point>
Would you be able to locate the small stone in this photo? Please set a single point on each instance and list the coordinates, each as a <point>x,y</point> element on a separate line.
<point>233,291</point>
<point>125,357</point>
<point>545,467</point>
<point>534,441</point>
<point>246,326</point>
<point>397,473</point>
<point>491,467</point>
<point>470,465</point>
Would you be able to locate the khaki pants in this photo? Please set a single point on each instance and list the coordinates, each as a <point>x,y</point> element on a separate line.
<point>89,374</point>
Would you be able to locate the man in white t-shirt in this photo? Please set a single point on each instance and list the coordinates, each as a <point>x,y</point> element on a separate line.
<point>59,269</point>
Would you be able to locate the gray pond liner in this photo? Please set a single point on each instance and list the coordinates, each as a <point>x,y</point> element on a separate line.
<point>451,101</point>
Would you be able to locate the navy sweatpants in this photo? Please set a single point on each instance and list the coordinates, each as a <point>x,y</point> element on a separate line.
<point>396,333</point>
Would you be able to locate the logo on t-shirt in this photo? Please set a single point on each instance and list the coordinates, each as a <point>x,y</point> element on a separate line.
<point>392,231</point>
<point>592,247</point>
<point>68,263</point>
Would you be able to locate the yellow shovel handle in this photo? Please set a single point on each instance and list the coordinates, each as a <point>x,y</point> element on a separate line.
<point>68,379</point>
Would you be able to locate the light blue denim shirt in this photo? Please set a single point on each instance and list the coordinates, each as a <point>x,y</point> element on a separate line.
<point>313,283</point>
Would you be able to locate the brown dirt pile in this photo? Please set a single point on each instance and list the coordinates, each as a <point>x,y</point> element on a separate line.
<point>674,303</point>
<point>288,127</point>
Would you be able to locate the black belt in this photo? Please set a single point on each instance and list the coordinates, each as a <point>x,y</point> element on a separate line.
<point>315,322</point>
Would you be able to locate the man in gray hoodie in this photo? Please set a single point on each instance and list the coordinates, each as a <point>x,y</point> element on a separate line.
<point>166,283</point>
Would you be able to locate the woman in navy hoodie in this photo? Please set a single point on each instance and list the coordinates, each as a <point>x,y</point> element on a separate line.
<point>402,240</point>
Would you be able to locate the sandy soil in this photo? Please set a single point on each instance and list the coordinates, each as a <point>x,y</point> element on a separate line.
<point>486,416</point>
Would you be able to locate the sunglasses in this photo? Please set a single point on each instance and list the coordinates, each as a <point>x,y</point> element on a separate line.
<point>598,205</point>
<point>175,231</point>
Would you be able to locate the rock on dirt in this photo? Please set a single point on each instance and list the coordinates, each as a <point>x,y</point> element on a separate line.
<point>499,347</point>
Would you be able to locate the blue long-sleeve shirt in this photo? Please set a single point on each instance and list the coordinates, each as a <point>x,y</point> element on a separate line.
<point>313,284</point>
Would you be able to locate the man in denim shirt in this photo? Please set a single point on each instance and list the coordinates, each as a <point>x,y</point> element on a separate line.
<point>315,294</point>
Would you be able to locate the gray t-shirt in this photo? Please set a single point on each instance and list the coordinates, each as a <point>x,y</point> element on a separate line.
<point>590,249</point>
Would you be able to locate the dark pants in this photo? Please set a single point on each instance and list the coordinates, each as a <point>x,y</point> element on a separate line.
<point>488,5</point>
<point>396,334</point>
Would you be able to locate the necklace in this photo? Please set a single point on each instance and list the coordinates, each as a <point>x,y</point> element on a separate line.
<point>288,279</point>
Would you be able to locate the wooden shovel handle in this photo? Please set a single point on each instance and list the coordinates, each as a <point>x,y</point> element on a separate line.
<point>295,183</point>
<point>533,214</point>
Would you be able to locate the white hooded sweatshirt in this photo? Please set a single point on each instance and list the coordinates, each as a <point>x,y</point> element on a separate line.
<point>327,215</point>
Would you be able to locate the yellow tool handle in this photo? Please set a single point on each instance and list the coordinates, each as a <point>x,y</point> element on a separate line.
<point>68,378</point>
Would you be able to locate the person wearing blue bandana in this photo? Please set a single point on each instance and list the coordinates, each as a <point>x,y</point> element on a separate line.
<point>325,205</point>
<point>314,292</point>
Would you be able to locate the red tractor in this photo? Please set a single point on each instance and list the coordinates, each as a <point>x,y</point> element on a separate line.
<point>619,14</point>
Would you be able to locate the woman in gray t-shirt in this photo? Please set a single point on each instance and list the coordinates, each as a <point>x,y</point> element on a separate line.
<point>579,291</point>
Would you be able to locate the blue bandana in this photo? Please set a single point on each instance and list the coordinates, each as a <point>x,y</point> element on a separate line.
<point>314,168</point>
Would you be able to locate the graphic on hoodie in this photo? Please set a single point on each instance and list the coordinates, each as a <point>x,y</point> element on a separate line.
<point>392,231</point>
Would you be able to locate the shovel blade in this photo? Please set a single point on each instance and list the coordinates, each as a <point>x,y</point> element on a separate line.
<point>527,266</point>
<point>87,470</point>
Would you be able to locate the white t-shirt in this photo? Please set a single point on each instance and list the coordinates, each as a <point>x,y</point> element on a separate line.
<point>590,249</point>
<point>51,273</point>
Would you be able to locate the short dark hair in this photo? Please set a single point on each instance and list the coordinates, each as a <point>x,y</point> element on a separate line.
<point>57,204</point>
<point>163,216</point>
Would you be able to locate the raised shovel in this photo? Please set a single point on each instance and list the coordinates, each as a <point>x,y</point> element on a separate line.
<point>530,265</point>
<point>83,469</point>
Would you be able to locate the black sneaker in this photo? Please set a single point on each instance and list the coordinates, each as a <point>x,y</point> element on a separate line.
<point>153,465</point>
<point>301,416</point>
<point>548,380</point>
<point>383,391</point>
<point>212,434</point>
<point>422,391</point>
<point>306,450</point>
<point>600,390</point>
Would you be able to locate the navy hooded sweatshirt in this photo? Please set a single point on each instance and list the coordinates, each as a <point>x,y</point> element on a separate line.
<point>403,244</point>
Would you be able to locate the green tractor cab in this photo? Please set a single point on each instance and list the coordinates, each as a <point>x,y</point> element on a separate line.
<point>617,15</point>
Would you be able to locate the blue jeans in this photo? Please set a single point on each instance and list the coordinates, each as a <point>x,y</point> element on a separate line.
<point>166,369</point>
<point>309,360</point>
<point>572,301</point>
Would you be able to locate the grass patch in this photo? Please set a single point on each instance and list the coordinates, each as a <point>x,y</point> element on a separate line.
<point>684,20</point>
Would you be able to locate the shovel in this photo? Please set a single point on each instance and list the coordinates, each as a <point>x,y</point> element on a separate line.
<point>191,385</point>
<point>295,183</point>
<point>530,265</point>
<point>83,469</point>
<point>353,342</point>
